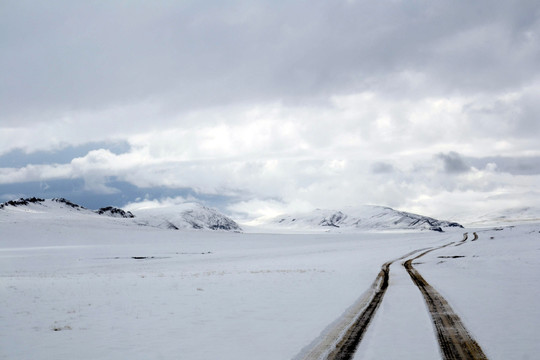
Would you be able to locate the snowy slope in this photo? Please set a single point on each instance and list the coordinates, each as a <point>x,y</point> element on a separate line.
<point>366,217</point>
<point>184,216</point>
<point>36,208</point>
<point>520,215</point>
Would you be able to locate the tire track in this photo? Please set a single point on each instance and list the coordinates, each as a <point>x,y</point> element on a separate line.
<point>454,340</point>
<point>341,340</point>
<point>465,237</point>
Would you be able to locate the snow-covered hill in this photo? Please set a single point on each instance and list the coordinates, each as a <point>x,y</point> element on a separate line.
<point>365,217</point>
<point>36,207</point>
<point>184,216</point>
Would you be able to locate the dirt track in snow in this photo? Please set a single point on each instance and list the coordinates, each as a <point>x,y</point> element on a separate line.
<point>346,348</point>
<point>454,339</point>
<point>341,342</point>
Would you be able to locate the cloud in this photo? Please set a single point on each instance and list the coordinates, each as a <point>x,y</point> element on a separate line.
<point>87,56</point>
<point>525,165</point>
<point>280,105</point>
<point>156,203</point>
<point>382,168</point>
<point>19,157</point>
<point>274,185</point>
<point>328,156</point>
<point>453,163</point>
<point>34,173</point>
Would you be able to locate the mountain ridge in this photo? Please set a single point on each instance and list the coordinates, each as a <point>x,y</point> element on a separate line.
<point>366,217</point>
<point>187,216</point>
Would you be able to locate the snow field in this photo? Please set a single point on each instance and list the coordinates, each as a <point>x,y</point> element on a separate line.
<point>70,288</point>
<point>76,292</point>
<point>494,288</point>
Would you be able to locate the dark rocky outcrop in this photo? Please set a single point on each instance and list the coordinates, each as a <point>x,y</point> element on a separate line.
<point>115,212</point>
<point>68,203</point>
<point>334,219</point>
<point>22,202</point>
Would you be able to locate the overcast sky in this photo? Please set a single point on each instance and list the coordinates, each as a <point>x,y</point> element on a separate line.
<point>262,107</point>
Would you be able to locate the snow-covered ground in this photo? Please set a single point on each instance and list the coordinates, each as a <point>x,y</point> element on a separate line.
<point>494,287</point>
<point>81,288</point>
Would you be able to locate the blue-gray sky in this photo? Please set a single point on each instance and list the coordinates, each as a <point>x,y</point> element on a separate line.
<point>262,107</point>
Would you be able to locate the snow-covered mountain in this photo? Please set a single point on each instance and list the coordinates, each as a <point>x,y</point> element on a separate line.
<point>184,216</point>
<point>367,217</point>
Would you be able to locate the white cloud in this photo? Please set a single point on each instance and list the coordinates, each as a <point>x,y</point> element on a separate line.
<point>34,173</point>
<point>139,204</point>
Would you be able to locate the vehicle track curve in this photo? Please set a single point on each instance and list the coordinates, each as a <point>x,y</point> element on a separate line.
<point>454,339</point>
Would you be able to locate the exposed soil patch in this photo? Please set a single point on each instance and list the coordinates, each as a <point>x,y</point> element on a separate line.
<point>61,328</point>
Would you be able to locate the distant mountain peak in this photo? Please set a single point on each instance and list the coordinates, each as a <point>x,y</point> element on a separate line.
<point>186,216</point>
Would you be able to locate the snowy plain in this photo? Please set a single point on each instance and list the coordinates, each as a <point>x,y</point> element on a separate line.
<point>100,288</point>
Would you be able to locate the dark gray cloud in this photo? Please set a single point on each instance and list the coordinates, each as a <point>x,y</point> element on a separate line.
<point>59,56</point>
<point>454,163</point>
<point>525,165</point>
<point>382,168</point>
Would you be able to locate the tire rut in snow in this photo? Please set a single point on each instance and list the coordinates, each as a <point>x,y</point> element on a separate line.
<point>342,339</point>
<point>346,348</point>
<point>454,339</point>
<point>465,237</point>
